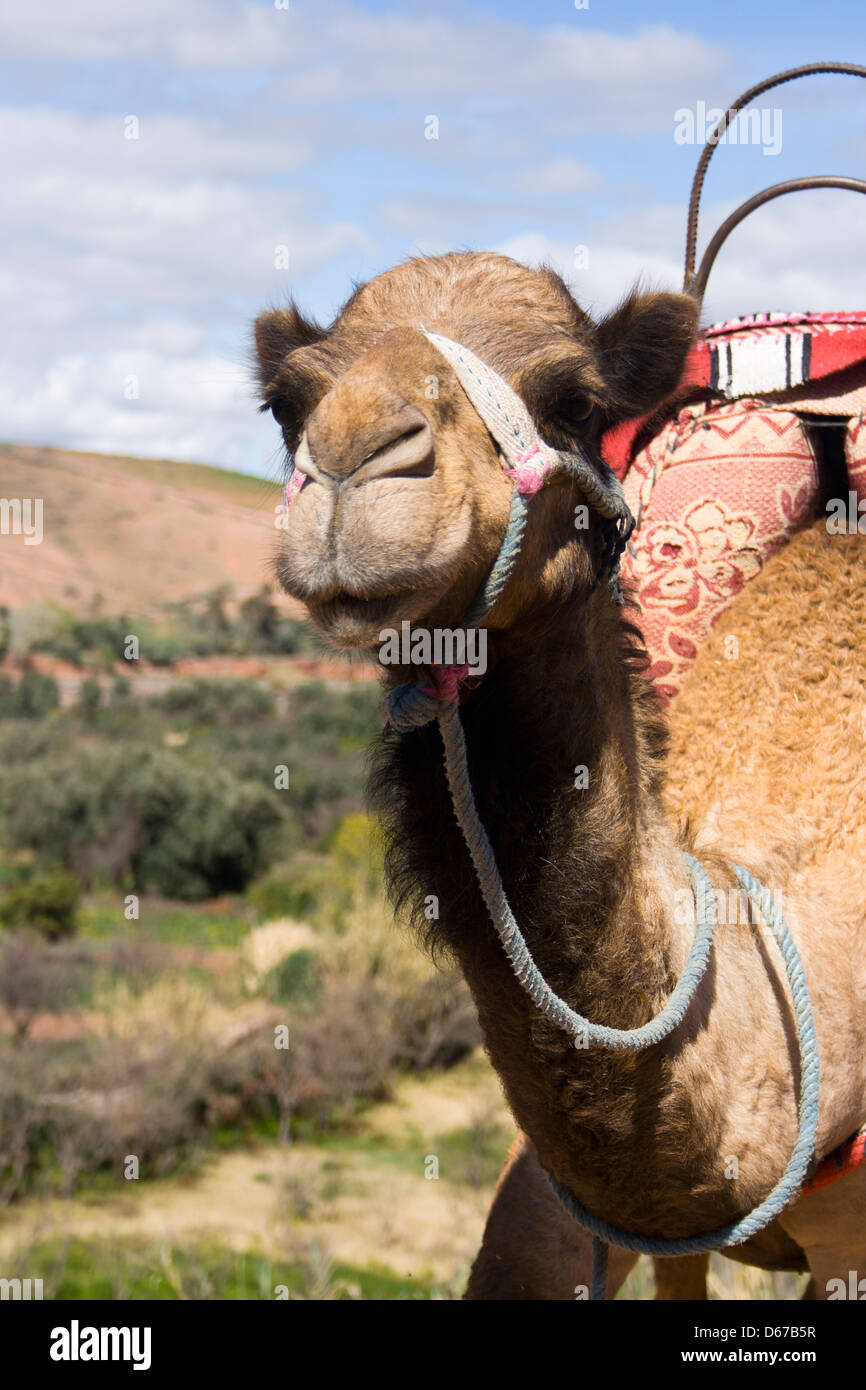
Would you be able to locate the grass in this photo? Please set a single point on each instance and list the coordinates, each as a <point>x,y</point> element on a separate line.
<point>127,1270</point>
<point>471,1155</point>
<point>102,1270</point>
<point>166,923</point>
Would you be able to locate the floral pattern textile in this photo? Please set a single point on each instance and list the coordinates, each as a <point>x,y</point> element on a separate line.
<point>715,494</point>
<point>723,485</point>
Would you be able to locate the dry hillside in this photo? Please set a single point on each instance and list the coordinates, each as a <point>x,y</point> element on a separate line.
<point>137,532</point>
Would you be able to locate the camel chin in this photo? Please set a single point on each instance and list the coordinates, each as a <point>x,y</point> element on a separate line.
<point>351,624</point>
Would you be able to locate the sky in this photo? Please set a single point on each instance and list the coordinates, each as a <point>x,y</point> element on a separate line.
<point>172,168</point>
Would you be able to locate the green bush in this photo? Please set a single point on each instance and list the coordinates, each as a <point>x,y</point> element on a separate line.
<point>230,702</point>
<point>295,977</point>
<point>319,714</point>
<point>276,896</point>
<point>90,697</point>
<point>36,978</point>
<point>8,700</point>
<point>260,628</point>
<point>204,833</point>
<point>121,698</point>
<point>138,816</point>
<point>202,626</point>
<point>47,902</point>
<point>34,696</point>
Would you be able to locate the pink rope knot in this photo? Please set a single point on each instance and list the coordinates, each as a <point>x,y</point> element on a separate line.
<point>446,682</point>
<point>294,485</point>
<point>528,476</point>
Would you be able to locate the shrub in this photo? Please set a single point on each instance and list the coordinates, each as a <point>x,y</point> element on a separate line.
<point>435,1024</point>
<point>357,853</point>
<point>230,702</point>
<point>47,902</point>
<point>90,697</point>
<point>122,699</point>
<point>319,713</point>
<point>56,630</point>
<point>163,646</point>
<point>8,702</point>
<point>275,896</point>
<point>142,816</point>
<point>205,833</point>
<point>36,627</point>
<point>258,619</point>
<point>260,628</point>
<point>295,977</point>
<point>35,978</point>
<point>33,697</point>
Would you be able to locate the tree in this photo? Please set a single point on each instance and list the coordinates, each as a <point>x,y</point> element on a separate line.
<point>32,980</point>
<point>90,697</point>
<point>36,695</point>
<point>47,902</point>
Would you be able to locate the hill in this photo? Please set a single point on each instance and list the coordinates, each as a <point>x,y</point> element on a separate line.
<point>134,534</point>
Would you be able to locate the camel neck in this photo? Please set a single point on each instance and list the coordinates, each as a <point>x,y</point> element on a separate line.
<point>564,747</point>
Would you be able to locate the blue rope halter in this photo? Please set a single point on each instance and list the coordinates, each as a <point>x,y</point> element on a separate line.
<point>519,443</point>
<point>410,708</point>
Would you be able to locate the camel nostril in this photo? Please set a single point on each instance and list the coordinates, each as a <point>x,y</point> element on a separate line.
<point>374,442</point>
<point>305,463</point>
<point>407,454</point>
<point>403,438</point>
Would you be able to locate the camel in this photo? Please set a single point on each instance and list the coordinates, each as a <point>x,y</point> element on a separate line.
<point>757,763</point>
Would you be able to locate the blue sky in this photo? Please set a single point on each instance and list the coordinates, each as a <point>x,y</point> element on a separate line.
<point>132,268</point>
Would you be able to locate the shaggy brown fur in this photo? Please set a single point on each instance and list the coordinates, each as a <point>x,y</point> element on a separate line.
<point>694,1132</point>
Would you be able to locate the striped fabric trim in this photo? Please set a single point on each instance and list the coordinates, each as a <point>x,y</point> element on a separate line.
<point>760,355</point>
<point>758,364</point>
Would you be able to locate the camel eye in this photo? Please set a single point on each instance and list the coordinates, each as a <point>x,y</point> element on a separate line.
<point>285,413</point>
<point>575,411</point>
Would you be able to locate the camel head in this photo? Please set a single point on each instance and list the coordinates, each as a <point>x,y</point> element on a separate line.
<point>406,500</point>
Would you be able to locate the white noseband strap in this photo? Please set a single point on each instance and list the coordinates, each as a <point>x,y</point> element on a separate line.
<point>529,461</point>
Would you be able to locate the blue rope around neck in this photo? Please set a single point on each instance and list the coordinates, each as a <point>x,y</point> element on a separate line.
<point>637,1039</point>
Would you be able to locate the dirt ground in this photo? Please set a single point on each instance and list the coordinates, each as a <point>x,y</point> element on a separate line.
<point>369,1204</point>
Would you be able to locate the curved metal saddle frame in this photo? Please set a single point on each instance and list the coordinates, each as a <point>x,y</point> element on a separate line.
<point>695,282</point>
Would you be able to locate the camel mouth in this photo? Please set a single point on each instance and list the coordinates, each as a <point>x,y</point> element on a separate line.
<point>352,622</point>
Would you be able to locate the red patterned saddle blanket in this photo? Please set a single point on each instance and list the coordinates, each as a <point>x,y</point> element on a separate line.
<point>728,478</point>
<point>735,470</point>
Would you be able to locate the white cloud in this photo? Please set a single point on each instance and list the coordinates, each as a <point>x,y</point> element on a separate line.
<point>598,272</point>
<point>593,79</point>
<point>104,233</point>
<point>320,54</point>
<point>799,253</point>
<point>262,128</point>
<point>214,33</point>
<point>198,407</point>
<point>559,176</point>
<point>130,258</point>
<point>167,146</point>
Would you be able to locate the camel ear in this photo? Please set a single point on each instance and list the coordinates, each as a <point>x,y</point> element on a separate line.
<point>279,332</point>
<point>643,347</point>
